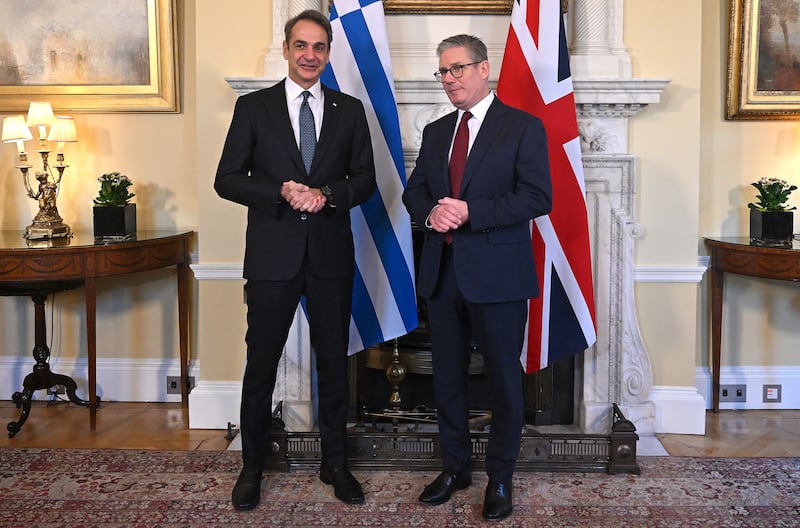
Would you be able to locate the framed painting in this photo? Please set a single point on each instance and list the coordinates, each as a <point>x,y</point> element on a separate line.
<point>763,79</point>
<point>89,55</point>
<point>451,7</point>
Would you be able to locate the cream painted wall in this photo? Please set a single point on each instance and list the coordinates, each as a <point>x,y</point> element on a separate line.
<point>664,313</point>
<point>665,139</point>
<point>233,38</point>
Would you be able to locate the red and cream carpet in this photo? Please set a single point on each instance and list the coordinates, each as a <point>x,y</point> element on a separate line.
<point>115,488</point>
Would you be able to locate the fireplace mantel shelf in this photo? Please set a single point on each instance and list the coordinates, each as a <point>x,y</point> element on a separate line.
<point>624,96</point>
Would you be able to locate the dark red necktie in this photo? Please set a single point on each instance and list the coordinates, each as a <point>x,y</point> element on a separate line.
<point>458,160</point>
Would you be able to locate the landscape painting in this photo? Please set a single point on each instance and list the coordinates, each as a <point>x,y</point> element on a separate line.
<point>91,42</point>
<point>88,55</point>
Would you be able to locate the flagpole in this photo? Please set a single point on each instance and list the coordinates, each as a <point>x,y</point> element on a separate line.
<point>395,373</point>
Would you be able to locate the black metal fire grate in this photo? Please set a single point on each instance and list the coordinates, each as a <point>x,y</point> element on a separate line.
<point>414,450</point>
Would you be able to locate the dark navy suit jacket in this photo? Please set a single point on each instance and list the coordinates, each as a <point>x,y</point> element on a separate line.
<point>506,183</point>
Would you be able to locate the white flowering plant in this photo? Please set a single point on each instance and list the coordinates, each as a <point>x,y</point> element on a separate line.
<point>113,190</point>
<point>772,195</point>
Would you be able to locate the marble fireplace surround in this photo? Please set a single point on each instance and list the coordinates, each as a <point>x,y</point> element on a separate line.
<point>617,368</point>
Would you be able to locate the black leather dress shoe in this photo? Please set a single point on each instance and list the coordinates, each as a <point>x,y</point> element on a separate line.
<point>345,486</point>
<point>497,502</point>
<point>247,490</point>
<point>439,491</point>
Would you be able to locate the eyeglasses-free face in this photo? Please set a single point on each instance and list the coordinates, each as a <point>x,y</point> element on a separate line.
<point>456,70</point>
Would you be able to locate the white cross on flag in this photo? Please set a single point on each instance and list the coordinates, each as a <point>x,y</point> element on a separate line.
<point>535,77</point>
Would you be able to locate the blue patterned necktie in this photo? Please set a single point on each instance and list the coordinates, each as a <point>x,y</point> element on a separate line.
<point>308,132</point>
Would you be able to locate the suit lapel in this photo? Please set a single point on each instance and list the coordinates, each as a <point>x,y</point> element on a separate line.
<point>278,110</point>
<point>490,130</point>
<point>445,141</point>
<point>330,123</point>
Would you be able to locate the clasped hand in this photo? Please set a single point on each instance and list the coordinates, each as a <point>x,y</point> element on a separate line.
<point>302,197</point>
<point>449,214</point>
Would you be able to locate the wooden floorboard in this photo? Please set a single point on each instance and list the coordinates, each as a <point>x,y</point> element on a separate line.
<point>121,425</point>
<point>750,433</point>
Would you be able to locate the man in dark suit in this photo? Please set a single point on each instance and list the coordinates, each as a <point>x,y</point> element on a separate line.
<point>298,175</point>
<point>476,267</point>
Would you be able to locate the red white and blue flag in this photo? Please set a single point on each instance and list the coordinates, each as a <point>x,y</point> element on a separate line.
<point>535,77</point>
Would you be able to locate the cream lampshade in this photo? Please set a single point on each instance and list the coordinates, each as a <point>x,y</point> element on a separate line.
<point>63,131</point>
<point>40,114</point>
<point>16,130</point>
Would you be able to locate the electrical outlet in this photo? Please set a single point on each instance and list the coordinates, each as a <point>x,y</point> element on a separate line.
<point>733,393</point>
<point>772,394</point>
<point>174,384</point>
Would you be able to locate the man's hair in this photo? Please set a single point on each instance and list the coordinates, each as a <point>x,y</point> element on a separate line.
<point>475,46</point>
<point>311,15</point>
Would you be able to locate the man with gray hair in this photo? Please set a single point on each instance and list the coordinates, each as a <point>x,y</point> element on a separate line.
<point>482,174</point>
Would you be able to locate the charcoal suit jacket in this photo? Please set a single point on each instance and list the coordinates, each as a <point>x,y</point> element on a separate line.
<point>261,153</point>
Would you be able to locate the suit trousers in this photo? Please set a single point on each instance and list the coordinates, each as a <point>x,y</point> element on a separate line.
<point>271,306</point>
<point>499,330</point>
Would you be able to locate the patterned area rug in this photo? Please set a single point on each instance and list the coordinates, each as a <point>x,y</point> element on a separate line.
<point>69,488</point>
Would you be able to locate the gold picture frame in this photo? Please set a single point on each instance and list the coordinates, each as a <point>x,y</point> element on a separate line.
<point>101,56</point>
<point>447,7</point>
<point>762,81</point>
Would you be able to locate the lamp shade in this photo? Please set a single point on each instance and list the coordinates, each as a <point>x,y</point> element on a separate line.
<point>63,130</point>
<point>40,113</point>
<point>15,129</point>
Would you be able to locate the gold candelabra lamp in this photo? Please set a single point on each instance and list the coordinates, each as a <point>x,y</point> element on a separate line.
<point>47,223</point>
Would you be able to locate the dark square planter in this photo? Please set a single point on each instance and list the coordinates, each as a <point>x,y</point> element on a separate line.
<point>115,222</point>
<point>771,227</point>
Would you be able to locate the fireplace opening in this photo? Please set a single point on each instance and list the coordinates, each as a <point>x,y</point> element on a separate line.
<point>548,393</point>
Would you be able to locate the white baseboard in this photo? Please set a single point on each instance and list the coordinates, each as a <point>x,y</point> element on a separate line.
<point>139,380</point>
<point>754,378</point>
<point>215,404</point>
<point>679,410</point>
<point>212,405</point>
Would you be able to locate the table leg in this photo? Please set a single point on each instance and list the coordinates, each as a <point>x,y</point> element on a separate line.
<point>90,291</point>
<point>717,278</point>
<point>183,327</point>
<point>41,377</point>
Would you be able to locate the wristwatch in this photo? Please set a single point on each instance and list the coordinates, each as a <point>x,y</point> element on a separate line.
<point>328,194</point>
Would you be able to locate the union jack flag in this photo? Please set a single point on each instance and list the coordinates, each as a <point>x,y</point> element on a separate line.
<point>535,77</point>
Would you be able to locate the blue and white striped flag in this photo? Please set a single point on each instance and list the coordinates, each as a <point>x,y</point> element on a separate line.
<point>384,299</point>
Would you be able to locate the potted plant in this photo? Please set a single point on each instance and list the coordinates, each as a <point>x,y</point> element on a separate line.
<point>771,221</point>
<point>114,215</point>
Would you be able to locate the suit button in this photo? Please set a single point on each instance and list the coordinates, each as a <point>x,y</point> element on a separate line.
<point>303,216</point>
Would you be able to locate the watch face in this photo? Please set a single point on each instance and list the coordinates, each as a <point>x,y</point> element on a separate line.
<point>328,194</point>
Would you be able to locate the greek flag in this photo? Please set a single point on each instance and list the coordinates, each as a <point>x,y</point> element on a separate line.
<point>384,298</point>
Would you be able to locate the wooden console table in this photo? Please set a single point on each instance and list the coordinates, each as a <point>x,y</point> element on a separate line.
<point>38,268</point>
<point>737,255</point>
